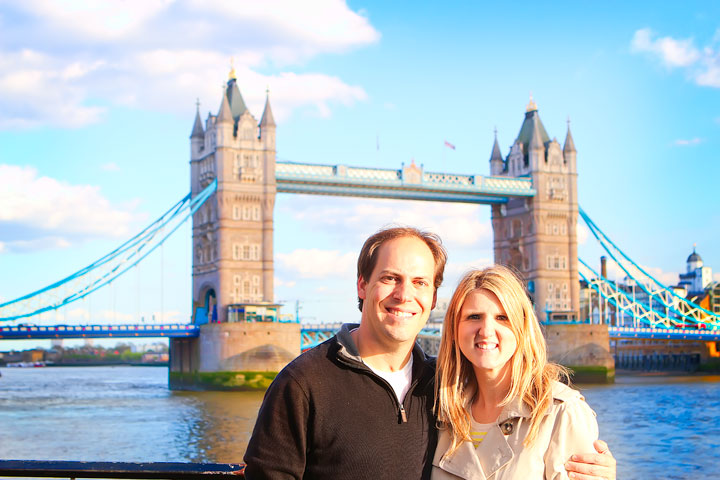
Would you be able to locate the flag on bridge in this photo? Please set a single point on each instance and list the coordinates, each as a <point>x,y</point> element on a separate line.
<point>449,145</point>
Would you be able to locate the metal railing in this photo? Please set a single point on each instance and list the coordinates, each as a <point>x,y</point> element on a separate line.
<point>167,470</point>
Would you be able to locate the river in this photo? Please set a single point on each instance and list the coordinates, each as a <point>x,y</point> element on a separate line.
<point>658,427</point>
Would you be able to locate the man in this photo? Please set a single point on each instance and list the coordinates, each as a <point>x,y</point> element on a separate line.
<point>361,404</point>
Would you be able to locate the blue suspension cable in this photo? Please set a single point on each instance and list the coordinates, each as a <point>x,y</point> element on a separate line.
<point>597,233</point>
<point>145,237</point>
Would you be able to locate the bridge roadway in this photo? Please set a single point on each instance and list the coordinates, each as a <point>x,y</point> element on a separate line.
<point>311,334</point>
<point>44,332</point>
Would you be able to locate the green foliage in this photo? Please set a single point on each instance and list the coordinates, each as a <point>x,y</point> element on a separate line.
<point>241,381</point>
<point>591,374</point>
<point>711,366</point>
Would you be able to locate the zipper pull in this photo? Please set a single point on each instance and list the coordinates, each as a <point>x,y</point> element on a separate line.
<point>403,415</point>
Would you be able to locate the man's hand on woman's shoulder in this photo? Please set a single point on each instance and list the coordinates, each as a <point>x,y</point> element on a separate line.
<point>593,466</point>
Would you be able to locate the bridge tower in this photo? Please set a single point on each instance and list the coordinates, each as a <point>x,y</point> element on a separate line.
<point>233,230</point>
<point>538,237</point>
<point>232,265</point>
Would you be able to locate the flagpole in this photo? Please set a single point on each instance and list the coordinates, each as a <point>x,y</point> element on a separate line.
<point>377,147</point>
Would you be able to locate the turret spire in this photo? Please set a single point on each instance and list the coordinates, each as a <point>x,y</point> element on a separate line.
<point>569,143</point>
<point>496,153</point>
<point>267,119</point>
<point>197,131</point>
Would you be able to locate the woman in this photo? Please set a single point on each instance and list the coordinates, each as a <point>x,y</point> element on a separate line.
<point>503,411</point>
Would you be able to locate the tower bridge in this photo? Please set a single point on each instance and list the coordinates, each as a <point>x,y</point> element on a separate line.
<point>236,332</point>
<point>532,192</point>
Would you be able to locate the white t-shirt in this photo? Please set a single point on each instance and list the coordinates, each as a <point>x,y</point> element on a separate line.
<point>399,380</point>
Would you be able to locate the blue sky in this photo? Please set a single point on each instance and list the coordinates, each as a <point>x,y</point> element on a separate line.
<point>97,101</point>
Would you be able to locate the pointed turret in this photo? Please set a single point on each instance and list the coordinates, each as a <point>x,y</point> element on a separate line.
<point>569,143</point>
<point>496,160</point>
<point>496,154</point>
<point>267,124</point>
<point>224,115</point>
<point>267,119</point>
<point>197,131</point>
<point>224,125</point>
<point>197,137</point>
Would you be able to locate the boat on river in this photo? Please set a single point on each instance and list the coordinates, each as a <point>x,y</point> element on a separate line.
<point>26,364</point>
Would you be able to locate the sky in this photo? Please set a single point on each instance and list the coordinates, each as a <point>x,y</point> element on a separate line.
<point>97,102</point>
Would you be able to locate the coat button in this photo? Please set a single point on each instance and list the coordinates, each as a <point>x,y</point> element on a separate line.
<point>507,427</point>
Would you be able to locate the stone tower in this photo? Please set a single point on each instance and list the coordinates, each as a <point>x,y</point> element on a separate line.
<point>537,236</point>
<point>241,343</point>
<point>233,230</point>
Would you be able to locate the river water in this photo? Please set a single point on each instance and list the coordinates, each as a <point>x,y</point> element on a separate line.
<point>657,427</point>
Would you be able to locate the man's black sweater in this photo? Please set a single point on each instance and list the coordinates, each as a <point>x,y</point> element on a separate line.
<point>327,415</point>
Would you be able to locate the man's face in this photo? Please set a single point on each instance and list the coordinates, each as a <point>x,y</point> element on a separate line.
<point>398,296</point>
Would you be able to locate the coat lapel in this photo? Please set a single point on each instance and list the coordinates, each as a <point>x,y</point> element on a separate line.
<point>478,464</point>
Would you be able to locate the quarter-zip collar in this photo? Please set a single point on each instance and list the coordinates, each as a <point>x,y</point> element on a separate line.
<point>423,370</point>
<point>423,364</point>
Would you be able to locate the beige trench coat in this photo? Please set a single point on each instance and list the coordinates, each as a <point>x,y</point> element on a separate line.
<point>569,426</point>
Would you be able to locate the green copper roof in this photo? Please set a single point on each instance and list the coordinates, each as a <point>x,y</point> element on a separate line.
<point>531,122</point>
<point>237,104</point>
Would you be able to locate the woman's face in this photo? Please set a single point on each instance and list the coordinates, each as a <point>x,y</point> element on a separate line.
<point>484,334</point>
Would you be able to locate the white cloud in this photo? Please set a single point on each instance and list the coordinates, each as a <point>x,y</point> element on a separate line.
<point>98,21</point>
<point>684,143</point>
<point>310,26</point>
<point>38,212</point>
<point>63,63</point>
<point>583,232</point>
<point>459,225</point>
<point>672,52</point>
<point>279,282</point>
<point>287,27</point>
<point>701,65</point>
<point>81,315</point>
<point>316,263</point>
<point>710,76</point>
<point>36,89</point>
<point>457,269</point>
<point>614,272</point>
<point>110,167</point>
<point>666,278</point>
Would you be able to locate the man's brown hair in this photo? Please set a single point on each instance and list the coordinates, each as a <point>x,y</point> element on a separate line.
<point>369,253</point>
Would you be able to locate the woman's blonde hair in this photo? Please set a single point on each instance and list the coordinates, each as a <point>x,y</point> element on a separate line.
<point>531,374</point>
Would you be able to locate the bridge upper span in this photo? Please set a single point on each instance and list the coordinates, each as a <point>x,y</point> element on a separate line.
<point>408,183</point>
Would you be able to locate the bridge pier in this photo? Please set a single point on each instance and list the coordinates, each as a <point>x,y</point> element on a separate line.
<point>583,348</point>
<point>233,356</point>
